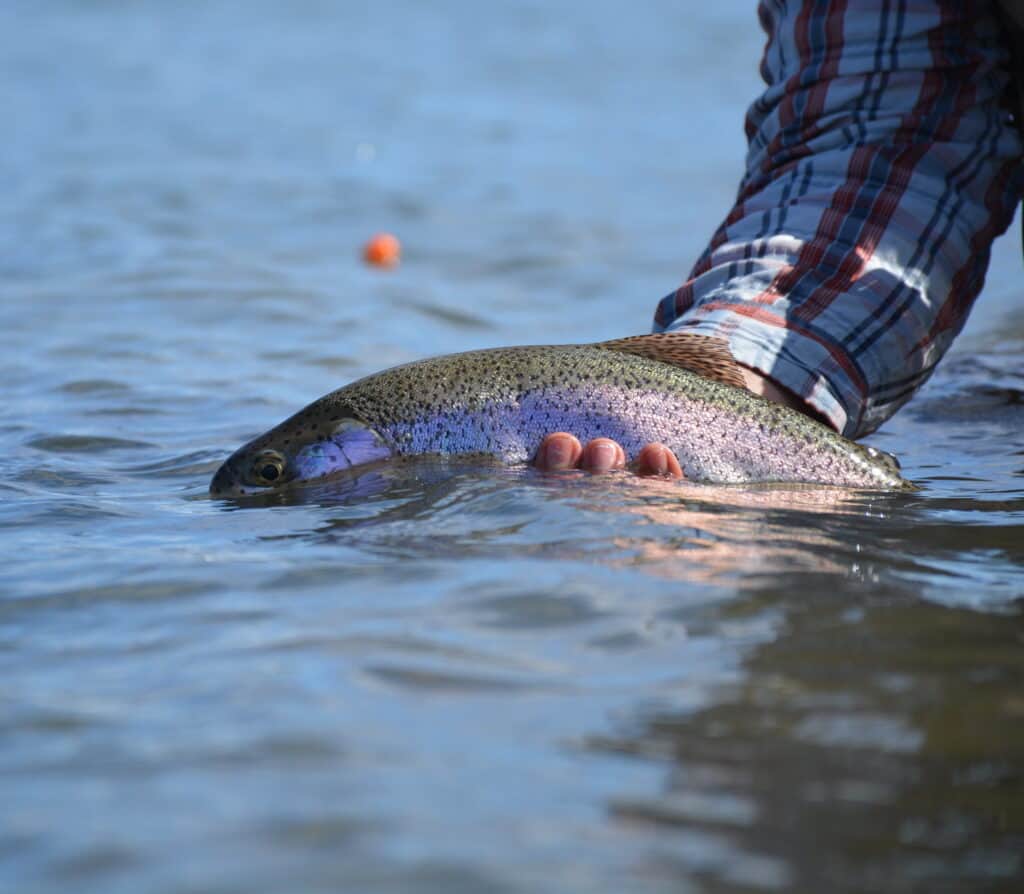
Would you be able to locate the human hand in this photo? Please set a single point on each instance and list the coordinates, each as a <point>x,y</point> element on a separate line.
<point>562,450</point>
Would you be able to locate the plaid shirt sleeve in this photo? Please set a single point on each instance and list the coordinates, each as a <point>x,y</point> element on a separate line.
<point>882,163</point>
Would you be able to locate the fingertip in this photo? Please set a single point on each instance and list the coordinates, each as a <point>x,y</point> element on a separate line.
<point>558,451</point>
<point>657,459</point>
<point>603,455</point>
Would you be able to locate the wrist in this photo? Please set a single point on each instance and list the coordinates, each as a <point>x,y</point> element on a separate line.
<point>760,384</point>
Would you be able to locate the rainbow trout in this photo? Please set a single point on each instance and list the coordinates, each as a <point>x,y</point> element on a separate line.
<point>503,401</point>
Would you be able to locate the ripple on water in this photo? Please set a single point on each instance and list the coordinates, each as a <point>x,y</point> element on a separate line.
<point>96,862</point>
<point>60,479</point>
<point>94,386</point>
<point>331,575</point>
<point>423,679</point>
<point>85,444</point>
<point>523,609</point>
<point>45,511</point>
<point>334,362</point>
<point>401,647</point>
<point>185,465</point>
<point>460,319</point>
<point>131,410</point>
<point>143,591</point>
<point>322,832</point>
<point>293,749</point>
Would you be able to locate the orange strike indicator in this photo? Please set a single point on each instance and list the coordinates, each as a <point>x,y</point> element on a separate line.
<point>383,250</point>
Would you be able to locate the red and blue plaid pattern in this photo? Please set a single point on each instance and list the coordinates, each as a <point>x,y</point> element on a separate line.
<point>882,163</point>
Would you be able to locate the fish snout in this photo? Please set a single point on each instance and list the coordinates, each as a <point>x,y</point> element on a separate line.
<point>225,482</point>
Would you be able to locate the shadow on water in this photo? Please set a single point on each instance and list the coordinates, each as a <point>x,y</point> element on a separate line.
<point>874,745</point>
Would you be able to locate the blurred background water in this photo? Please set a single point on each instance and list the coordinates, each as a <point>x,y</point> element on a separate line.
<point>456,679</point>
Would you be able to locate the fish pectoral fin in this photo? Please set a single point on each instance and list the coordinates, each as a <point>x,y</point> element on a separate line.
<point>701,354</point>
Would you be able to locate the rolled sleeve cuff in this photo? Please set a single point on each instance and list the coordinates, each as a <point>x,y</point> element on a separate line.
<point>799,361</point>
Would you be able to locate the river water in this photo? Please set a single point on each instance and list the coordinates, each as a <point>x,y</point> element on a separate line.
<point>457,678</point>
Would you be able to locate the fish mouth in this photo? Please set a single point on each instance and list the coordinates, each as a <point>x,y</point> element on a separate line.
<point>225,483</point>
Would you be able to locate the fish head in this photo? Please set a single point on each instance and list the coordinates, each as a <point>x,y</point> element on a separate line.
<point>308,447</point>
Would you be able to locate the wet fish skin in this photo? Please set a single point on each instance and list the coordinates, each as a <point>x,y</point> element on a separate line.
<point>504,401</point>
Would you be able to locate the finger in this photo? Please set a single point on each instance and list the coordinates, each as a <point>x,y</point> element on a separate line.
<point>558,451</point>
<point>603,455</point>
<point>657,459</point>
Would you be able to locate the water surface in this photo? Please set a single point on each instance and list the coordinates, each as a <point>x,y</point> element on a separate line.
<point>455,678</point>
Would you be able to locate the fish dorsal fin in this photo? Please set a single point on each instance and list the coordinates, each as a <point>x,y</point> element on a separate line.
<point>701,354</point>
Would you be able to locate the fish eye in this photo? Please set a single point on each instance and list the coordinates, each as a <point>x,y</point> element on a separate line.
<point>268,468</point>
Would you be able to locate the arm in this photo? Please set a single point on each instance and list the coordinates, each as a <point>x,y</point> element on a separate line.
<point>882,163</point>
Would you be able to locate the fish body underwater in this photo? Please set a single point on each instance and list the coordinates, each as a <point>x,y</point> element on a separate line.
<point>502,402</point>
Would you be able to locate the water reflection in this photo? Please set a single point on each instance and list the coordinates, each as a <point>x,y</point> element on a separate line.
<point>873,745</point>
<point>748,531</point>
<point>721,535</point>
<point>676,530</point>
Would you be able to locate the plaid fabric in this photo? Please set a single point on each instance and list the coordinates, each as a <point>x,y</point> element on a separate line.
<point>882,162</point>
